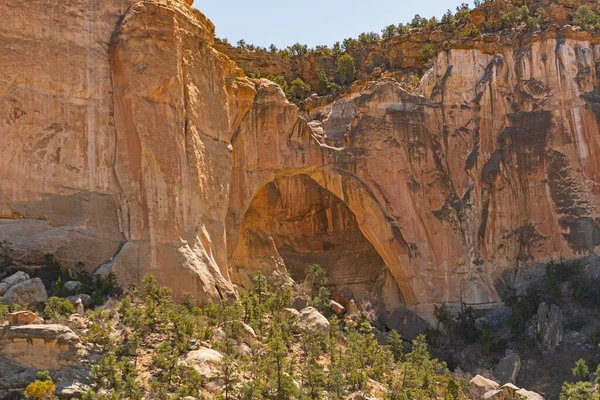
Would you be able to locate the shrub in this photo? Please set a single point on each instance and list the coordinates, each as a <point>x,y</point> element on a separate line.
<point>470,31</point>
<point>346,69</point>
<point>42,388</point>
<point>581,370</point>
<point>465,324</point>
<point>299,89</point>
<point>325,84</point>
<point>426,53</point>
<point>586,18</point>
<point>57,306</point>
<point>4,309</point>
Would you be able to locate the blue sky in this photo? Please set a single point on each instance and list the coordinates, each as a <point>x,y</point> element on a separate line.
<point>312,21</point>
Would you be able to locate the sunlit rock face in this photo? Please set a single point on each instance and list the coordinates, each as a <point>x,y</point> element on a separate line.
<point>131,145</point>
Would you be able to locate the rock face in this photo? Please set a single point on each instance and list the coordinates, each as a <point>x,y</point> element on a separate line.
<point>549,325</point>
<point>131,145</point>
<point>40,346</point>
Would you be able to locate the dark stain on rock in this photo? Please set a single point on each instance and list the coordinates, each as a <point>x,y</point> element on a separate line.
<point>584,233</point>
<point>485,212</point>
<point>491,169</point>
<point>563,188</point>
<point>472,158</point>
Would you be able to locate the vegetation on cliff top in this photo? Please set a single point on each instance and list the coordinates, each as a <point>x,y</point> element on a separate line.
<point>425,37</point>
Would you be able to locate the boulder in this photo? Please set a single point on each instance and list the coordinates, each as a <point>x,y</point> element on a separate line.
<point>479,386</point>
<point>220,335</point>
<point>22,318</point>
<point>291,313</point>
<point>85,299</point>
<point>528,395</point>
<point>73,286</point>
<point>244,350</point>
<point>507,370</point>
<point>337,307</point>
<point>12,280</point>
<point>31,293</point>
<point>206,361</point>
<point>248,334</point>
<point>494,395</point>
<point>312,320</point>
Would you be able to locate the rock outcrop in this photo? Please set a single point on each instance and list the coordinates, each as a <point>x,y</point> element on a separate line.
<point>40,347</point>
<point>131,145</point>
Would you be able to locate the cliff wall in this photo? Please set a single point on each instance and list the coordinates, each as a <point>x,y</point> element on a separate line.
<point>131,145</point>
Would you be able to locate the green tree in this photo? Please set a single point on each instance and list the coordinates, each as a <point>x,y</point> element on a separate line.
<point>581,370</point>
<point>427,52</point>
<point>299,90</point>
<point>346,69</point>
<point>578,391</point>
<point>396,345</point>
<point>325,85</point>
<point>4,309</point>
<point>276,356</point>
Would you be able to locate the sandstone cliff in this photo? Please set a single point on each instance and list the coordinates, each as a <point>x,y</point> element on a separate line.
<point>131,145</point>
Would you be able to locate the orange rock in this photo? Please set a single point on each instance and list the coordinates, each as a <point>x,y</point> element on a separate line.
<point>22,318</point>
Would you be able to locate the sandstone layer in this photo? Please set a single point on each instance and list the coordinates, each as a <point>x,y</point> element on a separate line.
<point>131,145</point>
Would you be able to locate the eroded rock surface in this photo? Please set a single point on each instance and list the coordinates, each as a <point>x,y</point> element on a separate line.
<point>132,146</point>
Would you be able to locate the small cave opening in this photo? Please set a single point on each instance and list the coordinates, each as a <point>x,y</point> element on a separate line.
<point>295,220</point>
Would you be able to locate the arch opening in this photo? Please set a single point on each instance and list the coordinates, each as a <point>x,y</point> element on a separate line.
<point>295,220</point>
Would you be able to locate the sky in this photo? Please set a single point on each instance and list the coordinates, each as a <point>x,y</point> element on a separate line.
<point>312,22</point>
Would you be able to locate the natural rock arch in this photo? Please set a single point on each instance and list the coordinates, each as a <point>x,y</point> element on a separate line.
<point>373,224</point>
<point>277,143</point>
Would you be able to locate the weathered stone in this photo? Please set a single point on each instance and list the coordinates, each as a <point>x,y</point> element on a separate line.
<point>21,318</point>
<point>9,281</point>
<point>480,385</point>
<point>292,313</point>
<point>528,395</point>
<point>248,335</point>
<point>31,293</point>
<point>154,153</point>
<point>40,346</point>
<point>312,320</point>
<point>507,370</point>
<point>337,307</point>
<point>85,299</point>
<point>494,395</point>
<point>549,325</point>
<point>206,362</point>
<point>73,286</point>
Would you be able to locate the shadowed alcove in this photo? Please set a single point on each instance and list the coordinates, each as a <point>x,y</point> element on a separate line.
<point>294,220</point>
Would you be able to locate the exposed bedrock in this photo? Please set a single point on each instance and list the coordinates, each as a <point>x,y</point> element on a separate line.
<point>131,145</point>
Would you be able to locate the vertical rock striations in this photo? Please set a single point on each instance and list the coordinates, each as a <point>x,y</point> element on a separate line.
<point>132,146</point>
